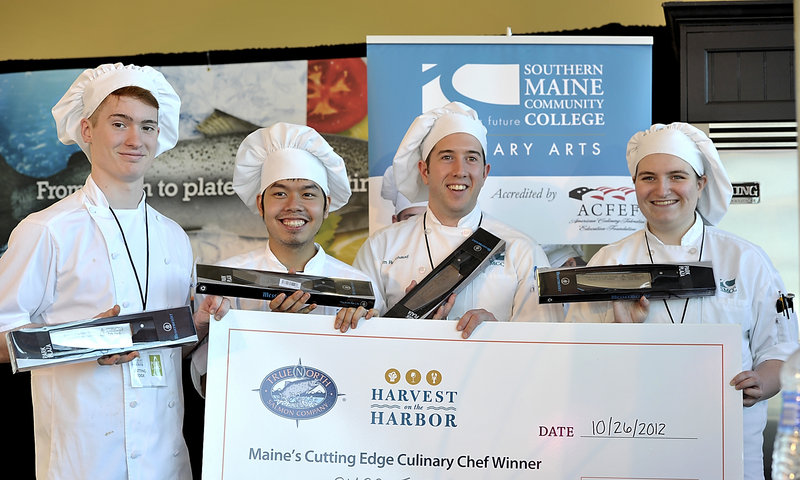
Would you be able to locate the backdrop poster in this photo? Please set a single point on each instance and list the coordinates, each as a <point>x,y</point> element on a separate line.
<point>220,105</point>
<point>559,112</point>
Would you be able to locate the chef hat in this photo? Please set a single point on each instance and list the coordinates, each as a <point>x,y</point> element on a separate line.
<point>286,151</point>
<point>389,192</point>
<point>423,134</point>
<point>558,254</point>
<point>93,86</point>
<point>695,148</point>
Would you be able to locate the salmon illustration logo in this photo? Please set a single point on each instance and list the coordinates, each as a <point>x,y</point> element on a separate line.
<point>298,392</point>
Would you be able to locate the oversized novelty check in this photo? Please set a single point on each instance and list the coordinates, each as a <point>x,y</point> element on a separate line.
<point>289,397</point>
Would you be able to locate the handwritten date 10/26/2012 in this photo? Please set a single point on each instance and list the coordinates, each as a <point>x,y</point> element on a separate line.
<point>625,428</point>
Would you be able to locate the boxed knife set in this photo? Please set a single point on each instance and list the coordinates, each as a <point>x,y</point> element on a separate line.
<point>264,285</point>
<point>85,340</point>
<point>450,276</point>
<point>625,282</point>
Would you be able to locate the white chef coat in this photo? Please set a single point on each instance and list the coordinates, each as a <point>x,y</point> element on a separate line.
<point>397,254</point>
<point>69,262</point>
<point>321,264</point>
<point>747,290</point>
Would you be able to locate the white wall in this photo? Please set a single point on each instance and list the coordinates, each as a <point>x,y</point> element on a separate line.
<point>773,223</point>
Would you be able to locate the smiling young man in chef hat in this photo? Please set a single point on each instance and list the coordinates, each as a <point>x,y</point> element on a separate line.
<point>104,248</point>
<point>292,178</point>
<point>442,159</point>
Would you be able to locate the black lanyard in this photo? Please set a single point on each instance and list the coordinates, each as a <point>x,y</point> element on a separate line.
<point>699,258</point>
<point>142,295</point>
<point>425,231</point>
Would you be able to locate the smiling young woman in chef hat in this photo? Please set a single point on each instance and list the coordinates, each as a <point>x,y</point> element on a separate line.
<point>683,191</point>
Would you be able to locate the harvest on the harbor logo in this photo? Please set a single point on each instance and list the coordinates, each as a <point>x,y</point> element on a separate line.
<point>411,399</point>
<point>298,392</point>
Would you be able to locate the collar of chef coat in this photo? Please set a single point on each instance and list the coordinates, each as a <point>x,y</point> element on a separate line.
<point>97,198</point>
<point>470,220</point>
<point>692,237</point>
<point>312,266</point>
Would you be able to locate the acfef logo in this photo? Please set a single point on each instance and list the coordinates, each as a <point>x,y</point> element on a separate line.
<point>298,392</point>
<point>603,194</point>
<point>606,201</point>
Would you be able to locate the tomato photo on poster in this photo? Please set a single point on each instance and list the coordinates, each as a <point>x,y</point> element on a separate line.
<point>337,94</point>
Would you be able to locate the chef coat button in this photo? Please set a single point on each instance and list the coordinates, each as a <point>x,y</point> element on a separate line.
<point>135,455</point>
<point>133,404</point>
<point>466,232</point>
<point>427,231</point>
<point>176,453</point>
<point>166,261</point>
<point>171,403</point>
<point>114,255</point>
<point>421,269</point>
<point>692,250</point>
<point>652,251</point>
<point>125,304</point>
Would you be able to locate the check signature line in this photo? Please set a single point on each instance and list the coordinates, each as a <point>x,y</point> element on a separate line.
<point>646,437</point>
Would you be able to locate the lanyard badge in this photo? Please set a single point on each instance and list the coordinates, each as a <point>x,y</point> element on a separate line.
<point>148,370</point>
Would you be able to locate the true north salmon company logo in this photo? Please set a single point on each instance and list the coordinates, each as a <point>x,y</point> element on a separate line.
<point>298,392</point>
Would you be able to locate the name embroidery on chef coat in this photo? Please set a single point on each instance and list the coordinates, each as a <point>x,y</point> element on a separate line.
<point>399,257</point>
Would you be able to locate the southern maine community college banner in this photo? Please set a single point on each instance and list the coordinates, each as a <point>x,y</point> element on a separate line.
<point>559,111</point>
